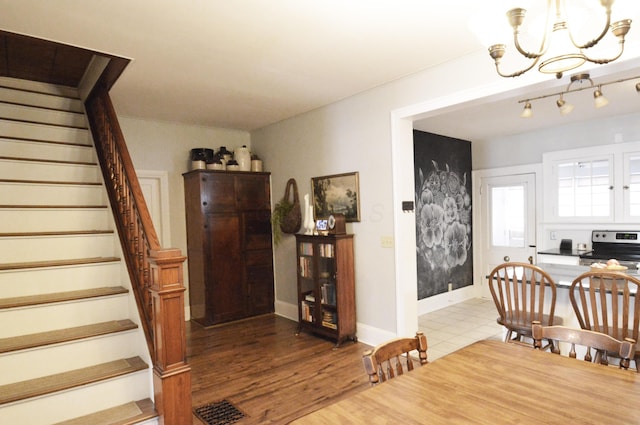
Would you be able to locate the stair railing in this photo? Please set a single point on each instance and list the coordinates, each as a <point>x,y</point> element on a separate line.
<point>156,273</point>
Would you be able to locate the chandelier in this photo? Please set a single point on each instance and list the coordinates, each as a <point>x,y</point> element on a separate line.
<point>559,52</point>
<point>578,83</point>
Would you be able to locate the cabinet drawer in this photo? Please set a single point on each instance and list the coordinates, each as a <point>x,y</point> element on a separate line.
<point>259,258</point>
<point>257,230</point>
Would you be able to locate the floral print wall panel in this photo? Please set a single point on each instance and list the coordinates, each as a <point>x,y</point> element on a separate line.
<point>443,213</point>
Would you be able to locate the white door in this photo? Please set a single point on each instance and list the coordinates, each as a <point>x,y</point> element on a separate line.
<point>508,228</point>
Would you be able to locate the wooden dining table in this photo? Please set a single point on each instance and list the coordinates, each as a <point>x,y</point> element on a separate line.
<point>493,382</point>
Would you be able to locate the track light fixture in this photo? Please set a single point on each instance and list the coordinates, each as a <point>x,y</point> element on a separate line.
<point>565,107</point>
<point>527,112</point>
<point>598,99</point>
<point>559,51</point>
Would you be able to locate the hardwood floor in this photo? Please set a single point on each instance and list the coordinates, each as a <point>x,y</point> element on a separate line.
<point>269,373</point>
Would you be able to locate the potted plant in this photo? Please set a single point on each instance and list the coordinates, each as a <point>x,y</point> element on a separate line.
<point>280,211</point>
<point>286,217</point>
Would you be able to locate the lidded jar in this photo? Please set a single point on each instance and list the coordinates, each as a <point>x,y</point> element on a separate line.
<point>200,157</point>
<point>243,156</point>
<point>224,154</point>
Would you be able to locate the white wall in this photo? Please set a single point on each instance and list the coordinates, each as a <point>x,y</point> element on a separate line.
<point>166,146</point>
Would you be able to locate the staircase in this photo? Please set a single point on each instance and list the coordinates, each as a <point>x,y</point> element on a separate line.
<point>72,349</point>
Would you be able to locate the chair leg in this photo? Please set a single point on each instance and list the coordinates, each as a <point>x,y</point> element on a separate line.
<point>507,338</point>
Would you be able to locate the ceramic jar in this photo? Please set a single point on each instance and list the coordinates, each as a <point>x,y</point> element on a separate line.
<point>200,157</point>
<point>233,165</point>
<point>224,154</point>
<point>243,157</point>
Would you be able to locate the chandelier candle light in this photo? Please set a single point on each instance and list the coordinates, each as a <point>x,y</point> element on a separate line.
<point>559,52</point>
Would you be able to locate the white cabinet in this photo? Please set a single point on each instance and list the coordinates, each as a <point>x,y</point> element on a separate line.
<point>558,259</point>
<point>593,185</point>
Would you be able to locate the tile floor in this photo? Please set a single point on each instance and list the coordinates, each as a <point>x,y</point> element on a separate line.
<point>458,325</point>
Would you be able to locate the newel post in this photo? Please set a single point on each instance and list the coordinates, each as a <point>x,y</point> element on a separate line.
<point>171,373</point>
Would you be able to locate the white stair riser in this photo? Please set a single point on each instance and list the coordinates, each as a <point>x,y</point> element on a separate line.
<point>49,194</point>
<point>45,116</point>
<point>63,315</point>
<point>43,132</point>
<point>38,99</point>
<point>78,402</point>
<point>53,220</point>
<point>30,170</point>
<point>64,357</point>
<point>50,151</point>
<point>25,282</point>
<point>45,248</point>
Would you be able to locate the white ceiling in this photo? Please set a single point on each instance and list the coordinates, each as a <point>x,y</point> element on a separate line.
<point>245,64</point>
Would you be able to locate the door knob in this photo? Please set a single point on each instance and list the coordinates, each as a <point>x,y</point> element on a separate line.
<point>506,258</point>
<point>530,259</point>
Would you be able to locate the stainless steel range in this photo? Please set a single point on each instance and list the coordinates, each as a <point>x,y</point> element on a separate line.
<point>624,246</point>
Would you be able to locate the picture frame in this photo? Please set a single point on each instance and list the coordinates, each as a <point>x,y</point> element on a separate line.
<point>336,194</point>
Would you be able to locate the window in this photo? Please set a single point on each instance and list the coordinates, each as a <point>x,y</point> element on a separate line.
<point>633,185</point>
<point>584,188</point>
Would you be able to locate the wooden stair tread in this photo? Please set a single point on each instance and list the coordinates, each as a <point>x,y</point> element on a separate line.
<point>57,263</point>
<point>53,142</point>
<point>60,233</point>
<point>48,161</point>
<point>67,380</point>
<point>23,342</point>
<point>56,297</point>
<point>50,182</point>
<point>43,123</point>
<point>54,206</point>
<point>126,414</point>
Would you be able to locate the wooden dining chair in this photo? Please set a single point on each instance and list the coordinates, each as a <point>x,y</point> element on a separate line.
<point>600,342</point>
<point>523,293</point>
<point>393,358</point>
<point>607,302</point>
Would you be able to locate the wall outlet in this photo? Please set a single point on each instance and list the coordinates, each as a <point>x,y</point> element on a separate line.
<point>386,241</point>
<point>552,235</point>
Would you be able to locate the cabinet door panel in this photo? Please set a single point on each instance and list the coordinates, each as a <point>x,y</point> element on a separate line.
<point>218,193</point>
<point>253,192</point>
<point>225,292</point>
<point>257,230</point>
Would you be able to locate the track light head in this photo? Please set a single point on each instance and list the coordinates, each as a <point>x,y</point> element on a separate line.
<point>527,112</point>
<point>598,99</point>
<point>564,107</point>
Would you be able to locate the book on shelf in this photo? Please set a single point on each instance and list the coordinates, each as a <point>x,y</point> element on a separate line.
<point>329,325</point>
<point>310,298</point>
<point>306,267</point>
<point>306,311</point>
<point>328,293</point>
<point>327,250</point>
<point>306,248</point>
<point>329,319</point>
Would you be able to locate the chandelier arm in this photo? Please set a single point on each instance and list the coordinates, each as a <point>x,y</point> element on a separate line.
<point>605,61</point>
<point>543,43</point>
<point>598,38</point>
<point>517,73</point>
<point>529,55</point>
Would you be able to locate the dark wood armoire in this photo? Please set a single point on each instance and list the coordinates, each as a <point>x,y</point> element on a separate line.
<point>229,250</point>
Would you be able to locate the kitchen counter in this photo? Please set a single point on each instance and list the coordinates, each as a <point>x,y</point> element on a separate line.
<point>557,251</point>
<point>563,275</point>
